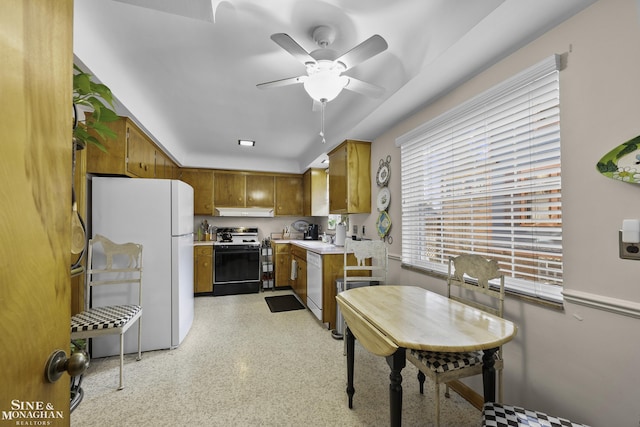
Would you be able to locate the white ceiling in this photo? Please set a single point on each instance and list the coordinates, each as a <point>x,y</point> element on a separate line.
<point>187,70</point>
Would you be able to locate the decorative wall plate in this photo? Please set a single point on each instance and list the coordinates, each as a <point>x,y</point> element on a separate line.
<point>384,172</point>
<point>623,162</point>
<point>383,224</point>
<point>384,198</point>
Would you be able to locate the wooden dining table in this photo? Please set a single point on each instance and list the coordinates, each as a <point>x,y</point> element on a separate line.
<point>389,320</point>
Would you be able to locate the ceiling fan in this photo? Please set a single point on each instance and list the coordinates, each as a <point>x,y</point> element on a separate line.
<point>324,80</point>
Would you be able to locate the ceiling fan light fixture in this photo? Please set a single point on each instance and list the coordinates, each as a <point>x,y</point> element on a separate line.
<point>325,86</point>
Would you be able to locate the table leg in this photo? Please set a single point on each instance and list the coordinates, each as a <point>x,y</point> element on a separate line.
<point>350,340</point>
<point>396,362</point>
<point>489,374</point>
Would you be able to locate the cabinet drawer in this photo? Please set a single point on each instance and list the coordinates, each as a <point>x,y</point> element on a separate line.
<point>282,248</point>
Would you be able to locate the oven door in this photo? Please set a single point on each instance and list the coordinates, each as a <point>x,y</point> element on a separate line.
<point>236,264</point>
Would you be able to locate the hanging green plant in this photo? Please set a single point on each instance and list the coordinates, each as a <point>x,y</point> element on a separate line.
<point>99,100</point>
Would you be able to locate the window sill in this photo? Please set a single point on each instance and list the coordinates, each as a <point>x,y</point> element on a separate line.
<point>539,301</point>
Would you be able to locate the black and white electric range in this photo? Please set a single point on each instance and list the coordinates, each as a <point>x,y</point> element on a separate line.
<point>236,260</point>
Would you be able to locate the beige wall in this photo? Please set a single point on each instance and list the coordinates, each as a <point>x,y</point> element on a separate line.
<point>581,362</point>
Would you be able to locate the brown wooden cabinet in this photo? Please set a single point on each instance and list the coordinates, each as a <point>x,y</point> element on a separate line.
<point>315,193</point>
<point>299,285</point>
<point>289,195</point>
<point>260,191</point>
<point>350,178</point>
<point>202,182</point>
<point>132,153</point>
<point>202,269</point>
<point>229,190</point>
<point>282,264</point>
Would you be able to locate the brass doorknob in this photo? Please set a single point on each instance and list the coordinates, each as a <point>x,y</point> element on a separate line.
<point>59,363</point>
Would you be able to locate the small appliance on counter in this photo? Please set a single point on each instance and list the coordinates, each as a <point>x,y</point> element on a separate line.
<point>312,232</point>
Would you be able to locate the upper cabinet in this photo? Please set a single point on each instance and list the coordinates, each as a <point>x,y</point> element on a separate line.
<point>289,195</point>
<point>315,193</point>
<point>243,190</point>
<point>131,153</point>
<point>229,190</point>
<point>260,190</point>
<point>202,182</point>
<point>350,178</point>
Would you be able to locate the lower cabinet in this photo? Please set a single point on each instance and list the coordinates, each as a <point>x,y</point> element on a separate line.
<point>282,264</point>
<point>299,285</point>
<point>202,269</point>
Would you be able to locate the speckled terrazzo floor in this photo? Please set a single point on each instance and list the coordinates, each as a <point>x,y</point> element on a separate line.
<point>241,365</point>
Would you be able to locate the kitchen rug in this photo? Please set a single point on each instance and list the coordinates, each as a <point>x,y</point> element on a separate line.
<point>283,303</point>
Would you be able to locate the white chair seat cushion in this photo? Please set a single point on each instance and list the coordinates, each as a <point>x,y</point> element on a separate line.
<point>444,362</point>
<point>497,415</point>
<point>103,317</point>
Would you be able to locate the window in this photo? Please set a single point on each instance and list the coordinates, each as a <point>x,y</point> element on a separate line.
<point>484,178</point>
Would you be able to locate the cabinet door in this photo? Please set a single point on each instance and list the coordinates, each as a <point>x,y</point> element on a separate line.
<point>301,288</point>
<point>314,192</point>
<point>338,180</point>
<point>229,190</point>
<point>282,264</point>
<point>203,269</point>
<point>140,154</point>
<point>260,191</point>
<point>202,182</point>
<point>113,161</point>
<point>289,195</point>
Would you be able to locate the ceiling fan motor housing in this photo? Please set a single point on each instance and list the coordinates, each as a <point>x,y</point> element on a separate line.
<point>323,35</point>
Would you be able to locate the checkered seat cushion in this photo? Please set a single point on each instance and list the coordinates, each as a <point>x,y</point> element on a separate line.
<point>103,317</point>
<point>443,362</point>
<point>497,415</point>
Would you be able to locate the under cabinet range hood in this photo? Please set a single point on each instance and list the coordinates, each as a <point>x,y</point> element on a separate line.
<point>246,212</point>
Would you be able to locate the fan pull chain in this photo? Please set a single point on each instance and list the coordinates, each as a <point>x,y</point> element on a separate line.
<point>323,103</point>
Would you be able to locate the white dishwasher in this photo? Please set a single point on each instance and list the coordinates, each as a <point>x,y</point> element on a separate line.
<point>314,283</point>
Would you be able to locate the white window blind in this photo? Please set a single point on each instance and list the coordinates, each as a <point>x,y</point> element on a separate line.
<point>484,178</point>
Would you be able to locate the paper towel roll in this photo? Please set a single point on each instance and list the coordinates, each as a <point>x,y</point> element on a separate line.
<point>294,269</point>
<point>341,232</point>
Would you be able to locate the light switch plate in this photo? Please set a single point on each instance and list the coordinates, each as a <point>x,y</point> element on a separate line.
<point>628,250</point>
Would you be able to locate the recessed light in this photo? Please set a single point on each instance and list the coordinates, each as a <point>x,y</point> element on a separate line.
<point>246,142</point>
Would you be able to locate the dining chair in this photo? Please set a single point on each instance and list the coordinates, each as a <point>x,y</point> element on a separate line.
<point>443,367</point>
<point>499,415</point>
<point>116,265</point>
<point>374,251</point>
<point>370,268</point>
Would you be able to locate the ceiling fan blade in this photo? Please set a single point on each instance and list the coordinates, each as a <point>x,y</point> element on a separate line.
<point>317,106</point>
<point>290,45</point>
<point>365,50</point>
<point>282,82</point>
<point>364,88</point>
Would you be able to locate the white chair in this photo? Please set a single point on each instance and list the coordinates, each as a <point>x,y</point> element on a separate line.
<point>114,319</point>
<point>443,367</point>
<point>373,250</point>
<point>370,269</point>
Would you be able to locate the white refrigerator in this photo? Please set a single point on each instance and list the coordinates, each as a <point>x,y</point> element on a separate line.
<point>157,213</point>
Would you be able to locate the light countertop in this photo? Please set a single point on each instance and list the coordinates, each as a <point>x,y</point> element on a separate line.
<point>316,246</point>
<point>203,243</point>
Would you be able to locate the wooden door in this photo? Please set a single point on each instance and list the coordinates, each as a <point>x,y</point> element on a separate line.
<point>229,190</point>
<point>202,182</point>
<point>140,154</point>
<point>260,191</point>
<point>35,170</point>
<point>203,269</point>
<point>289,195</point>
<point>338,180</point>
